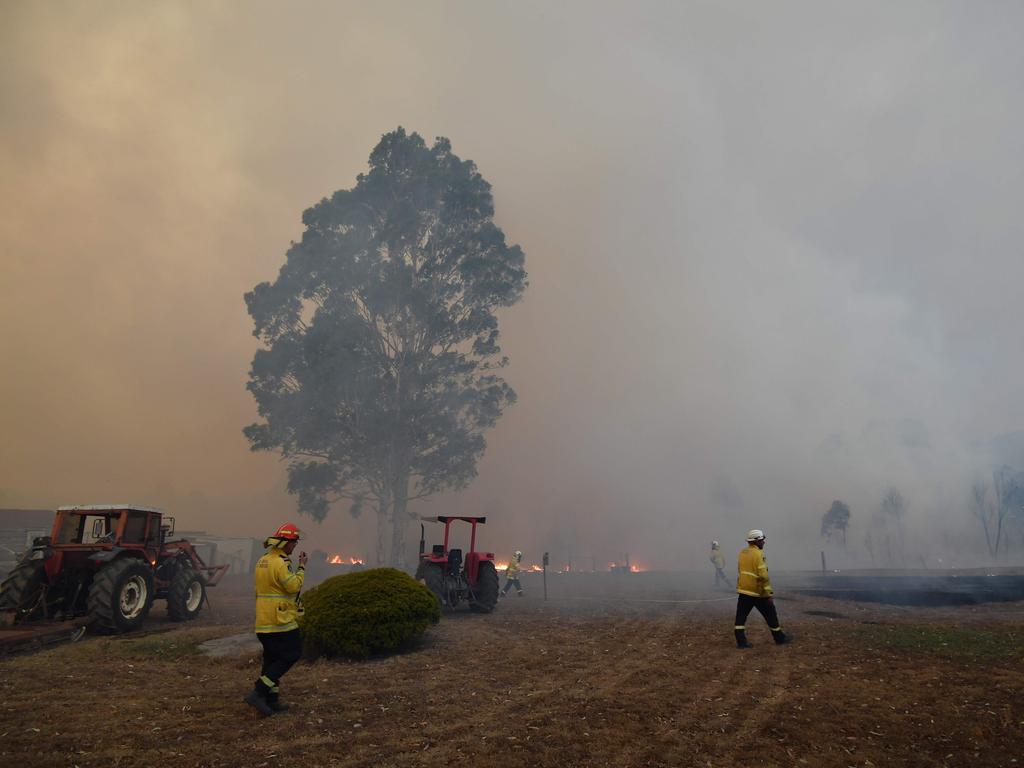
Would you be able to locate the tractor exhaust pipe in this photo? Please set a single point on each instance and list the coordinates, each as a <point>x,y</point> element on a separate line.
<point>422,540</point>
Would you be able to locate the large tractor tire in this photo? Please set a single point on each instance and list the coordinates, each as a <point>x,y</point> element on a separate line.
<point>486,590</point>
<point>21,591</point>
<point>432,575</point>
<point>185,595</point>
<point>120,596</point>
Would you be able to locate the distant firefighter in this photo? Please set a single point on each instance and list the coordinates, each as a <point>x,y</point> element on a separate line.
<point>755,591</point>
<point>718,560</point>
<point>512,575</point>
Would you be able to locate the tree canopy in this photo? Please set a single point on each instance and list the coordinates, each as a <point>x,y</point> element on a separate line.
<point>836,520</point>
<point>379,367</point>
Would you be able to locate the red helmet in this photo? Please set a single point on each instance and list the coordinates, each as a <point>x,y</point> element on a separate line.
<point>287,532</point>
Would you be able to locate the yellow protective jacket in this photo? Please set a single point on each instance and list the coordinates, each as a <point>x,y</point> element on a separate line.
<point>753,577</point>
<point>513,569</point>
<point>276,590</point>
<point>717,558</point>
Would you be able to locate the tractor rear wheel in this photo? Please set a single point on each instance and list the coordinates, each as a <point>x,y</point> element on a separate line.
<point>486,590</point>
<point>121,595</point>
<point>22,590</point>
<point>185,595</point>
<point>432,575</point>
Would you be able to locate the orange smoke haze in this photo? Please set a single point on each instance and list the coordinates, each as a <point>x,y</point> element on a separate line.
<point>759,278</point>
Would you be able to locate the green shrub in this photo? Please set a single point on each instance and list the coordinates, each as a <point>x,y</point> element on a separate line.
<point>365,613</point>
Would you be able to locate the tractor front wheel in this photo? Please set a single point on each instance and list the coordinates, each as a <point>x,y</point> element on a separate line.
<point>120,596</point>
<point>22,591</point>
<point>486,589</point>
<point>432,575</point>
<point>185,596</point>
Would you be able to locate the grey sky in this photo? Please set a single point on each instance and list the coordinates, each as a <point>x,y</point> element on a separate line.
<point>770,246</point>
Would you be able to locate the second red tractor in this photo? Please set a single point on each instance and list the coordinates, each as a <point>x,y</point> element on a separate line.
<point>454,579</point>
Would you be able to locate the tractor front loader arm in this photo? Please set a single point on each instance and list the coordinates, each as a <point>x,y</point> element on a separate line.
<point>212,574</point>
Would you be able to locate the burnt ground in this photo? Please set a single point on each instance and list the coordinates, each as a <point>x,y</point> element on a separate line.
<point>603,674</point>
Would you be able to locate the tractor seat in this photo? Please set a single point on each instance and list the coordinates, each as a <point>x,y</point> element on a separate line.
<point>454,560</point>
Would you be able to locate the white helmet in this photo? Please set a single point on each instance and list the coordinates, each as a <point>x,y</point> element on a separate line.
<point>714,545</point>
<point>755,535</point>
<point>519,555</point>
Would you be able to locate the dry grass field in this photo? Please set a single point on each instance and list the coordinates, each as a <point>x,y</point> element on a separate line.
<point>604,675</point>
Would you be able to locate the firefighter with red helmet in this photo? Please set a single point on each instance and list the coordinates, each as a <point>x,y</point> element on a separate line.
<point>277,612</point>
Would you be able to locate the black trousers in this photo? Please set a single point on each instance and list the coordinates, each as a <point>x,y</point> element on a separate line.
<point>766,607</point>
<point>280,651</point>
<point>509,583</point>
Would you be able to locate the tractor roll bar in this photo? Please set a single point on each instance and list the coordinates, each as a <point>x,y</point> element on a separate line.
<point>448,520</point>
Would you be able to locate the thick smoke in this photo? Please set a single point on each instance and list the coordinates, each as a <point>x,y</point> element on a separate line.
<point>773,255</point>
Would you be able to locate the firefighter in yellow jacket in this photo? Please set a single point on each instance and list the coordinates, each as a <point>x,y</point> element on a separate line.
<point>277,611</point>
<point>512,575</point>
<point>718,560</point>
<point>754,590</point>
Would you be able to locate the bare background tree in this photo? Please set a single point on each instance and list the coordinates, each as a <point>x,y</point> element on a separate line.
<point>893,514</point>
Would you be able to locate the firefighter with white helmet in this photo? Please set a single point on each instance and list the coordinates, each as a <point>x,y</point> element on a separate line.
<point>512,574</point>
<point>277,612</point>
<point>718,560</point>
<point>754,590</point>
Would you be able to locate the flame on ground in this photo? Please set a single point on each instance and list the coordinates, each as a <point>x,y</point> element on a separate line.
<point>502,565</point>
<point>633,567</point>
<point>340,560</point>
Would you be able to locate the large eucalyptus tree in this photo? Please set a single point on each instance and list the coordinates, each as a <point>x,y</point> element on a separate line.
<point>378,372</point>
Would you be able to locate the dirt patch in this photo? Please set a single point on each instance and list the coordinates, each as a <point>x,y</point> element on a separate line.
<point>564,683</point>
<point>232,645</point>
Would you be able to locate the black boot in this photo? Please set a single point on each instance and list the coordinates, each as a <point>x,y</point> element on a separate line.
<point>741,639</point>
<point>780,637</point>
<point>257,700</point>
<point>275,703</point>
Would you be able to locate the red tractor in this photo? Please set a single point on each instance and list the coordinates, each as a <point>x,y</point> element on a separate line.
<point>451,579</point>
<point>107,563</point>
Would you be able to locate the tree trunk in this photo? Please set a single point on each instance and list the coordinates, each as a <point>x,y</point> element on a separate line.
<point>382,527</point>
<point>901,540</point>
<point>399,520</point>
<point>988,536</point>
